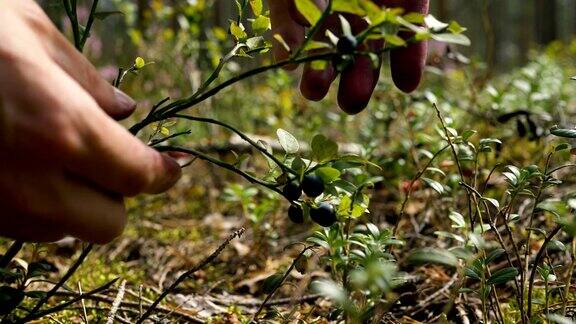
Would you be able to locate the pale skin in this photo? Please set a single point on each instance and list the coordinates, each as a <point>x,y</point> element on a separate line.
<point>66,165</point>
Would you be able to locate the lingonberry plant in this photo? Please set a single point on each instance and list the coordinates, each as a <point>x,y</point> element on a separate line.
<point>321,184</point>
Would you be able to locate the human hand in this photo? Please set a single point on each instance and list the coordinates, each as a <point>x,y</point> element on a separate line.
<point>65,164</point>
<point>357,81</point>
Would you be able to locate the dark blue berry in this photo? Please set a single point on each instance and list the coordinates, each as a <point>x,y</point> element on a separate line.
<point>292,191</point>
<point>312,185</point>
<point>296,214</point>
<point>323,215</point>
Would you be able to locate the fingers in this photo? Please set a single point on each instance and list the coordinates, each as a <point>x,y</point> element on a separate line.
<point>115,102</point>
<point>358,81</point>
<point>55,204</point>
<point>292,33</point>
<point>315,84</point>
<point>25,228</point>
<point>91,215</point>
<point>407,63</point>
<point>357,84</point>
<point>106,154</point>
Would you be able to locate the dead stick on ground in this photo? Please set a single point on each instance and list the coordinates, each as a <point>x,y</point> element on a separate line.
<point>188,273</point>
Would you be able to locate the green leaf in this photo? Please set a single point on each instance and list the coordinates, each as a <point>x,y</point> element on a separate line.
<point>261,24</point>
<point>238,31</point>
<point>435,24</point>
<point>437,186</point>
<point>492,201</point>
<point>457,219</point>
<point>502,276</point>
<point>254,42</point>
<point>309,10</point>
<point>471,273</point>
<point>455,28</point>
<point>555,245</point>
<point>323,148</point>
<point>328,174</point>
<point>257,7</point>
<point>493,255</point>
<point>435,256</point>
<point>348,6</point>
<point>288,142</point>
<point>314,45</point>
<point>562,147</point>
<point>457,39</point>
<point>560,132</point>
<point>270,283</point>
<point>331,290</point>
<point>395,40</point>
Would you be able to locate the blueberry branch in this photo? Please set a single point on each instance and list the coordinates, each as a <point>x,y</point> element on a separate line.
<point>243,136</point>
<point>222,164</point>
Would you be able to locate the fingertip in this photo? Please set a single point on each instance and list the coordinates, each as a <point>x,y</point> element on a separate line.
<point>170,174</point>
<point>407,66</point>
<point>356,86</point>
<point>315,84</point>
<point>124,105</point>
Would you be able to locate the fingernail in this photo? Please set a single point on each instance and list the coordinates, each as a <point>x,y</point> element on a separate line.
<point>174,171</point>
<point>125,103</point>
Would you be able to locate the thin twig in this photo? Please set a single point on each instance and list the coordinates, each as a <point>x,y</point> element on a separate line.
<point>535,266</point>
<point>409,193</point>
<point>13,250</point>
<point>242,136</point>
<point>60,283</point>
<point>280,282</point>
<point>65,305</point>
<point>222,164</point>
<point>188,273</point>
<point>89,23</point>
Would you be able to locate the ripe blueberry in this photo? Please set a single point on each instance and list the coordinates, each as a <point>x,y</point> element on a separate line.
<point>323,215</point>
<point>296,214</point>
<point>347,44</point>
<point>292,191</point>
<point>312,185</point>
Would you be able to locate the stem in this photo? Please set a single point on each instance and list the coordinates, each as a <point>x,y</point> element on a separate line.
<point>36,315</point>
<point>179,105</point>
<point>89,23</point>
<point>70,7</point>
<point>222,164</point>
<point>407,197</point>
<point>530,222</point>
<point>243,136</point>
<point>11,253</point>
<point>535,265</point>
<point>286,274</point>
<point>312,32</point>
<point>569,278</point>
<point>60,283</point>
<point>188,273</point>
<point>457,161</point>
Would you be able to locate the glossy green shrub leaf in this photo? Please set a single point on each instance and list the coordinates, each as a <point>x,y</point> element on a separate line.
<point>502,276</point>
<point>288,142</point>
<point>309,10</point>
<point>434,256</point>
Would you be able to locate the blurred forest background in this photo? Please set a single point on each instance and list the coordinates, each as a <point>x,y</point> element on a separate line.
<point>502,31</point>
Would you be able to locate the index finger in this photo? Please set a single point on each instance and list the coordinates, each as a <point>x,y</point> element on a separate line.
<point>282,24</point>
